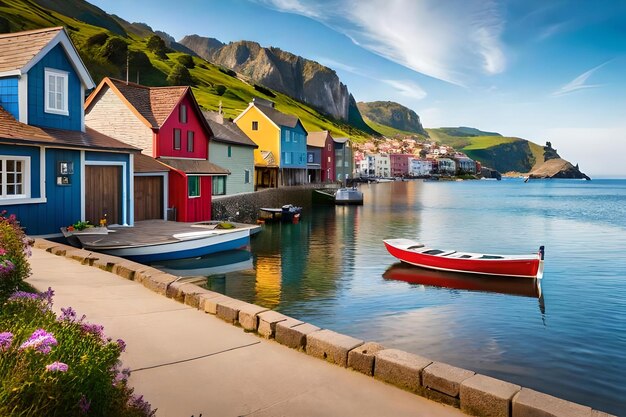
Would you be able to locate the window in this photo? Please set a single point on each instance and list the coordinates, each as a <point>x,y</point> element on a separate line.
<point>190,141</point>
<point>219,185</point>
<point>255,125</point>
<point>295,137</point>
<point>182,113</point>
<point>287,157</point>
<point>230,152</point>
<point>14,177</point>
<point>246,176</point>
<point>177,139</point>
<point>287,136</point>
<point>56,91</point>
<point>310,157</point>
<point>193,185</point>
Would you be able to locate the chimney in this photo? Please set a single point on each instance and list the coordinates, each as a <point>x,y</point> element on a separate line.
<point>214,116</point>
<point>262,102</point>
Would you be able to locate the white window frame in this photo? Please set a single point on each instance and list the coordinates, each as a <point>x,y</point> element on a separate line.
<point>25,178</point>
<point>59,74</point>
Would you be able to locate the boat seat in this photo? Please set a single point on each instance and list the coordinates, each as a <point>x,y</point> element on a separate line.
<point>433,252</point>
<point>416,246</point>
<point>491,257</point>
<point>448,254</point>
<point>465,256</point>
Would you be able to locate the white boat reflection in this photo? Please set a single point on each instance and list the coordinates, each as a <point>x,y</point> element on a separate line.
<point>205,266</point>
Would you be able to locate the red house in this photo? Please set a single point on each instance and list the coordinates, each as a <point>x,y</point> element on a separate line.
<point>167,124</point>
<point>399,164</point>
<point>320,156</point>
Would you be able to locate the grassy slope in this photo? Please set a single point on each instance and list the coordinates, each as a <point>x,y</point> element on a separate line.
<point>26,15</point>
<point>388,131</point>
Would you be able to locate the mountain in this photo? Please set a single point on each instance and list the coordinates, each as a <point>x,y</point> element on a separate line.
<point>555,167</point>
<point>464,131</point>
<point>300,78</point>
<point>105,41</point>
<point>395,115</point>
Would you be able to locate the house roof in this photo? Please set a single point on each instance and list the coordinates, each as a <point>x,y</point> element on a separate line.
<point>317,139</point>
<point>195,166</point>
<point>13,131</point>
<point>19,51</point>
<point>145,163</point>
<point>229,132</point>
<point>341,140</point>
<point>153,105</point>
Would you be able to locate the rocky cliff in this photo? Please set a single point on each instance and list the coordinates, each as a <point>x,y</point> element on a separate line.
<point>392,114</point>
<point>300,78</point>
<point>555,167</point>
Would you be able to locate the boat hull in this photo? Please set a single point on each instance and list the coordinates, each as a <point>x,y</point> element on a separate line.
<point>190,248</point>
<point>347,196</point>
<point>522,268</point>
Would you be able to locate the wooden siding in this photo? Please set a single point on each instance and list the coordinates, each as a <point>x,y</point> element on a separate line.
<point>55,59</point>
<point>242,158</point>
<point>9,96</point>
<point>103,193</point>
<point>148,197</point>
<point>297,148</point>
<point>165,137</point>
<point>189,209</point>
<point>267,136</point>
<point>109,115</point>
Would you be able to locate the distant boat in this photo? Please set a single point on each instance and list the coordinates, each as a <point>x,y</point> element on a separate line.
<point>349,196</point>
<point>415,253</point>
<point>159,240</point>
<point>286,214</point>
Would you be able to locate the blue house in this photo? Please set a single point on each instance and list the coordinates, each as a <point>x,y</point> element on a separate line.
<point>53,171</point>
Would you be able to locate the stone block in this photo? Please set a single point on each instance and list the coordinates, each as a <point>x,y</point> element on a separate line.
<point>228,310</point>
<point>83,256</point>
<point>485,396</point>
<point>267,323</point>
<point>60,250</point>
<point>293,333</point>
<point>192,295</point>
<point>530,403</point>
<point>44,244</point>
<point>332,346</point>
<point>106,262</point>
<point>177,290</point>
<point>400,368</point>
<point>596,413</point>
<point>445,378</point>
<point>210,303</point>
<point>248,316</point>
<point>126,269</point>
<point>159,283</point>
<point>145,272</point>
<point>362,358</point>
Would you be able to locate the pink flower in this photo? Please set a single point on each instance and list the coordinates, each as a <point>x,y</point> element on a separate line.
<point>57,367</point>
<point>41,341</point>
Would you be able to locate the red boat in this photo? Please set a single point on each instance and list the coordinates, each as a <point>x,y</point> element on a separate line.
<point>415,253</point>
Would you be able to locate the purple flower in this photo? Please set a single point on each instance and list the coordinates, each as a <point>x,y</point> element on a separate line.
<point>84,404</point>
<point>69,314</point>
<point>140,404</point>
<point>121,344</point>
<point>6,267</point>
<point>47,295</point>
<point>23,295</point>
<point>94,329</point>
<point>6,338</point>
<point>41,341</point>
<point>57,367</point>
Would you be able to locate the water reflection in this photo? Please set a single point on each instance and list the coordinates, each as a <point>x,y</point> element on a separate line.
<point>205,266</point>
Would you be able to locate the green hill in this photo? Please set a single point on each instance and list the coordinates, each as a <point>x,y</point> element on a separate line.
<point>103,41</point>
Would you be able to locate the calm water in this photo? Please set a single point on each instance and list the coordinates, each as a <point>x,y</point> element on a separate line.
<point>328,270</point>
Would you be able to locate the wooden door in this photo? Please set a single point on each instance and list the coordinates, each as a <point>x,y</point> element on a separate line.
<point>103,193</point>
<point>148,198</point>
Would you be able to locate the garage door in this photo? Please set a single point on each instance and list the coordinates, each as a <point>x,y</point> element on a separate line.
<point>103,193</point>
<point>148,198</point>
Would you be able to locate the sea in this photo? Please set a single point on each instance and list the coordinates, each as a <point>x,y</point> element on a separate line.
<point>564,335</point>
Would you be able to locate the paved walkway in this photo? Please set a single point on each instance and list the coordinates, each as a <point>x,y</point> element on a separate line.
<point>186,362</point>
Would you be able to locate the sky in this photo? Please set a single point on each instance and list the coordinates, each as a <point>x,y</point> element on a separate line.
<point>542,70</point>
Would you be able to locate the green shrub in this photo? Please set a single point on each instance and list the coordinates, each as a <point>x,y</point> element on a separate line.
<point>220,89</point>
<point>264,90</point>
<point>115,50</point>
<point>228,72</point>
<point>60,366</point>
<point>14,250</point>
<point>179,76</point>
<point>187,61</point>
<point>157,45</point>
<point>98,39</point>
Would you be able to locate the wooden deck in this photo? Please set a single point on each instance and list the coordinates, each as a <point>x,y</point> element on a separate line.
<point>153,232</point>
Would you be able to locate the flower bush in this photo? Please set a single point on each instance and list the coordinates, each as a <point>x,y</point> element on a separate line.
<point>60,366</point>
<point>14,251</point>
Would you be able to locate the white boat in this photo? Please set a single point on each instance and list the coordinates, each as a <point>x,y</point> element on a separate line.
<point>348,196</point>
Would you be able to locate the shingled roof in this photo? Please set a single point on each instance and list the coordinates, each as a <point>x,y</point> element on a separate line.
<point>194,166</point>
<point>145,163</point>
<point>279,118</point>
<point>14,132</point>
<point>317,139</point>
<point>229,132</point>
<point>152,104</point>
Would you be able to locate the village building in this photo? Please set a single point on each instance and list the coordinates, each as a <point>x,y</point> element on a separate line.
<point>54,171</point>
<point>382,165</point>
<point>399,164</point>
<point>231,149</point>
<point>280,159</point>
<point>367,166</point>
<point>167,124</point>
<point>465,165</point>
<point>344,159</point>
<point>446,166</point>
<point>320,157</point>
<point>419,167</point>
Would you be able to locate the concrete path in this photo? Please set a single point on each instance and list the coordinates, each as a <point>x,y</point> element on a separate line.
<point>186,362</point>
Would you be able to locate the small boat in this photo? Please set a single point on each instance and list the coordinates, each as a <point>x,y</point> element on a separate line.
<point>324,196</point>
<point>287,213</point>
<point>349,196</point>
<point>415,253</point>
<point>159,240</point>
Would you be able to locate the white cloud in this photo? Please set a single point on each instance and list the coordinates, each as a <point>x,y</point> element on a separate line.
<point>407,88</point>
<point>451,41</point>
<point>579,83</point>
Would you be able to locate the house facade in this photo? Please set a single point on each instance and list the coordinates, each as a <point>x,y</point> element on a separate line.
<point>344,159</point>
<point>167,124</point>
<point>399,164</point>
<point>280,159</point>
<point>382,165</point>
<point>446,166</point>
<point>420,167</point>
<point>53,170</point>
<point>231,149</point>
<point>465,165</point>
<point>320,157</point>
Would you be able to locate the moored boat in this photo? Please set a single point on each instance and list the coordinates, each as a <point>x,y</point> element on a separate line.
<point>286,214</point>
<point>349,196</point>
<point>415,253</point>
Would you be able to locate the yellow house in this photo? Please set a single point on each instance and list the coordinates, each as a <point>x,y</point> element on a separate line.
<point>280,158</point>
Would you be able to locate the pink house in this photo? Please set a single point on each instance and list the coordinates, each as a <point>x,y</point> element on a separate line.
<point>399,164</point>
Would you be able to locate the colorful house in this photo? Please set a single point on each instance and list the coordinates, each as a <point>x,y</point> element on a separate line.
<point>382,165</point>
<point>320,157</point>
<point>232,149</point>
<point>280,159</point>
<point>344,159</point>
<point>167,124</point>
<point>53,170</point>
<point>399,163</point>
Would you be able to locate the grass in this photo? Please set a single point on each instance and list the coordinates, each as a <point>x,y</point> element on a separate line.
<point>389,131</point>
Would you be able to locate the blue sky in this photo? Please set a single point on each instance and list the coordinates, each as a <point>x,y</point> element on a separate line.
<point>542,70</point>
